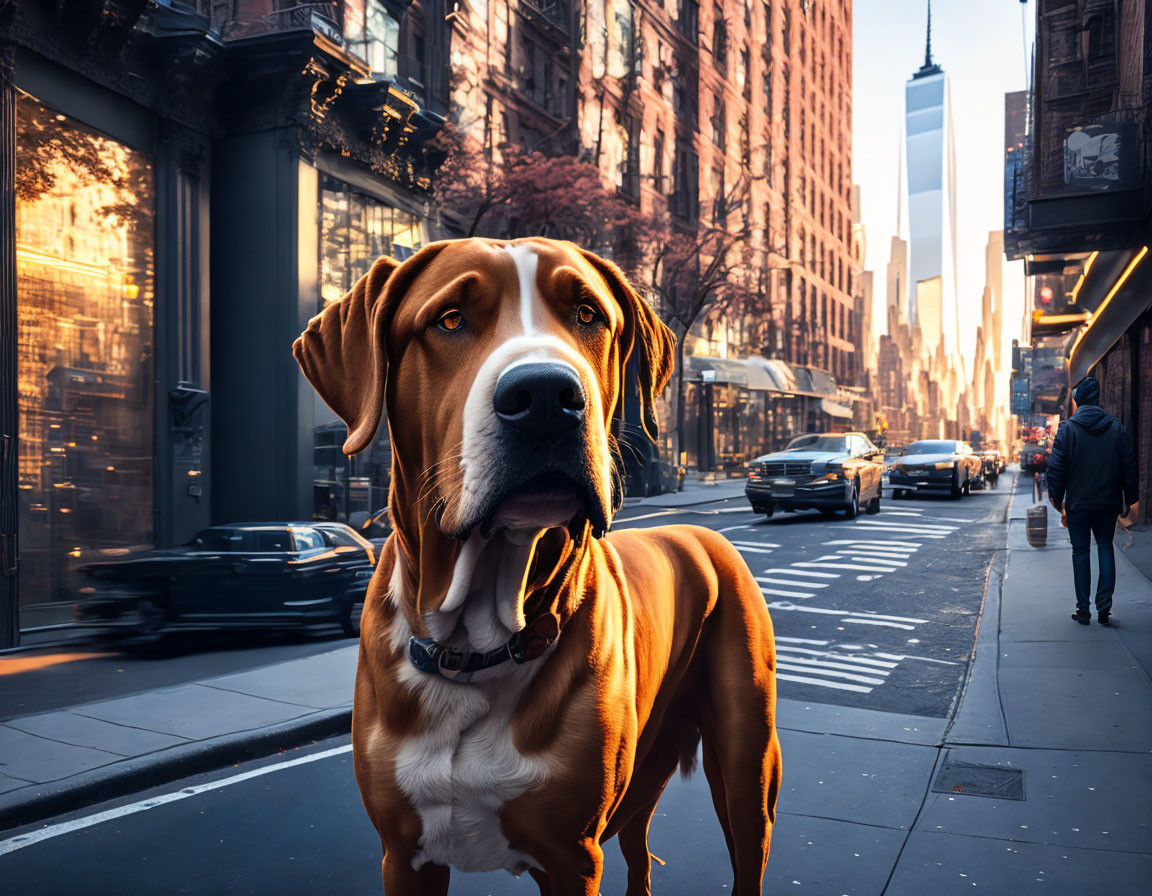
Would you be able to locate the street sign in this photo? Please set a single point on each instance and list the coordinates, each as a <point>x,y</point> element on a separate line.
<point>707,376</point>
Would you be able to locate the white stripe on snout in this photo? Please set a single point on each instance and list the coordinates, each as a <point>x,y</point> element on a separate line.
<point>526,261</point>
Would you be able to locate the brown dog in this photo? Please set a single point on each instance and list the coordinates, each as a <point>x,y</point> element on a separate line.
<point>526,687</point>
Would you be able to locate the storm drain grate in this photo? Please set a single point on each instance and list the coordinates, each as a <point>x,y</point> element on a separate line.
<point>979,780</point>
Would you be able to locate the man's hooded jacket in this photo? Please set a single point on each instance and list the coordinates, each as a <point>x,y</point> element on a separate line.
<point>1093,464</point>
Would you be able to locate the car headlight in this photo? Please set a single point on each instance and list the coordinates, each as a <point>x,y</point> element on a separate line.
<point>944,465</point>
<point>829,470</point>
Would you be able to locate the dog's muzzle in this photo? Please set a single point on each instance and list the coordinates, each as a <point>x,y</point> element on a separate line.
<point>540,400</point>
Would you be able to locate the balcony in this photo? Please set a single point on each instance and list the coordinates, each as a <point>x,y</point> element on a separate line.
<point>555,12</point>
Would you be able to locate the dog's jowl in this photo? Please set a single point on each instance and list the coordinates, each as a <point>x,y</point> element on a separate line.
<point>527,683</point>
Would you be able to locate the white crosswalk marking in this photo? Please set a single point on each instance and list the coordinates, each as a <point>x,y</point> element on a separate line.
<point>827,564</point>
<point>867,661</point>
<point>905,527</point>
<point>765,580</point>
<point>744,549</point>
<point>754,544</point>
<point>881,623</point>
<point>847,675</point>
<point>801,572</point>
<point>893,563</point>
<point>912,545</point>
<point>831,664</point>
<point>840,686</point>
<point>777,593</point>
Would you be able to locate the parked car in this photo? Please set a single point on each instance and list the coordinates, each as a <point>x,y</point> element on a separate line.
<point>821,471</point>
<point>945,466</point>
<point>242,575</point>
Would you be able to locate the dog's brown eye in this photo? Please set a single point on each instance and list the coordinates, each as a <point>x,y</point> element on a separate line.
<point>451,320</point>
<point>586,314</point>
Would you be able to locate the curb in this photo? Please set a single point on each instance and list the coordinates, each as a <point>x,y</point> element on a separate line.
<point>141,772</point>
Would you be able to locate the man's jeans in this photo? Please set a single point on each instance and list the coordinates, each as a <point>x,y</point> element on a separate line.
<point>1081,526</point>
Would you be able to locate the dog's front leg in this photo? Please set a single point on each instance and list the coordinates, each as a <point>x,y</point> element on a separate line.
<point>574,872</point>
<point>400,879</point>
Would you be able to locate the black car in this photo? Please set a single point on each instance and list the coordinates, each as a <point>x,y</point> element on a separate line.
<point>243,575</point>
<point>945,465</point>
<point>818,471</point>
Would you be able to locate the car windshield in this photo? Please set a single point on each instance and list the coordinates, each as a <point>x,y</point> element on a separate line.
<point>931,448</point>
<point>839,444</point>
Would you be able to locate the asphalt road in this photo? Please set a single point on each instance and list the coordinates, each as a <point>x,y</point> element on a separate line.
<point>301,830</point>
<point>891,629</point>
<point>879,612</point>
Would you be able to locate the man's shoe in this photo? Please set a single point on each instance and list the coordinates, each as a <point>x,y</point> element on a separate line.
<point>1082,618</point>
<point>1105,618</point>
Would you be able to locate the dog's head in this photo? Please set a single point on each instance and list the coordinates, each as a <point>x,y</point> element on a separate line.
<point>502,366</point>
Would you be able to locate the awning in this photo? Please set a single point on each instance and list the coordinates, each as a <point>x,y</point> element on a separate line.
<point>1129,296</point>
<point>834,409</point>
<point>729,371</point>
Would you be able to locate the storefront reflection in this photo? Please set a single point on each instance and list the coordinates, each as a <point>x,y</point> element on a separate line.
<point>355,230</point>
<point>84,253</point>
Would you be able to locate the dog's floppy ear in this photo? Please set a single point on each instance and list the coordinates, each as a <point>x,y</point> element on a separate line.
<point>342,354</point>
<point>645,337</point>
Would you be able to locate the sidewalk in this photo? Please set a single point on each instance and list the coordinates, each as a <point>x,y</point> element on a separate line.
<point>57,762</point>
<point>1040,784</point>
<point>695,491</point>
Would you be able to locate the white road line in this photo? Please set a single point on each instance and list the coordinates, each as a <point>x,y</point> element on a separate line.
<point>764,580</point>
<point>648,516</point>
<point>728,528</point>
<point>799,640</point>
<point>902,513</point>
<point>776,593</point>
<point>875,559</point>
<point>784,605</point>
<point>744,549</point>
<point>881,623</point>
<point>754,544</point>
<point>848,676</point>
<point>78,824</point>
<point>827,653</point>
<point>823,684</point>
<point>801,572</point>
<point>824,565</point>
<point>825,664</point>
<point>876,524</point>
<point>910,545</point>
<point>924,659</point>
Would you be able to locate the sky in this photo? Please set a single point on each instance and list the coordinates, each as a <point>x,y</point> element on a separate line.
<point>979,44</point>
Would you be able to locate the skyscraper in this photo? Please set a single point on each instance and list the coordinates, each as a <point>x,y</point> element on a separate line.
<point>931,166</point>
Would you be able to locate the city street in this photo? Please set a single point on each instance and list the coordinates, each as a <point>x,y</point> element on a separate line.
<point>878,612</point>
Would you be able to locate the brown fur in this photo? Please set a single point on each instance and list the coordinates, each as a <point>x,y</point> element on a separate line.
<point>665,639</point>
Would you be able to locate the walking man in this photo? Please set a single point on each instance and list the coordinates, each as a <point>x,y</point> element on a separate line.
<point>1091,481</point>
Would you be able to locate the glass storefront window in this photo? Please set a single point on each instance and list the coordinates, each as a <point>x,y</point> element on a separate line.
<point>84,255</point>
<point>355,230</point>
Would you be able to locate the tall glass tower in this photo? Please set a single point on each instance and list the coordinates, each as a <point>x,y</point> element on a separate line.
<point>931,166</point>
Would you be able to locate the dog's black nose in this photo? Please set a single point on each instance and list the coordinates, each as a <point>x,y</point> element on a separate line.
<point>541,399</point>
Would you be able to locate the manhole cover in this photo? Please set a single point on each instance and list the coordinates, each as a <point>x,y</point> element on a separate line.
<point>956,777</point>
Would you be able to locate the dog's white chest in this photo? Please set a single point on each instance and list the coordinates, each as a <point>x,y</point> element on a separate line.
<point>459,773</point>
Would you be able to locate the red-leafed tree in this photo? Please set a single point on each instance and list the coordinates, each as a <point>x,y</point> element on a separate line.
<point>687,268</point>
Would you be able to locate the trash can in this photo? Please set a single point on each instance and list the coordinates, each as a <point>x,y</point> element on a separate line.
<point>1037,522</point>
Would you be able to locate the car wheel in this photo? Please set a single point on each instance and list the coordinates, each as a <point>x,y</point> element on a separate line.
<point>350,614</point>
<point>853,508</point>
<point>768,509</point>
<point>874,505</point>
<point>957,490</point>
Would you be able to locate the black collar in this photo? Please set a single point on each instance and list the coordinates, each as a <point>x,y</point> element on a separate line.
<point>433,658</point>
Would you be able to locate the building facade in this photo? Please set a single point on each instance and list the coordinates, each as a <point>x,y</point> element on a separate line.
<point>1078,209</point>
<point>188,183</point>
